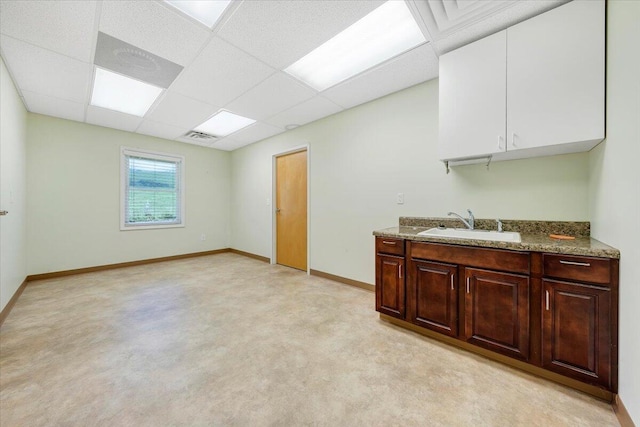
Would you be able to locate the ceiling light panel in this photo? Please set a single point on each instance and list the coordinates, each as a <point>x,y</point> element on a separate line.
<point>224,123</point>
<point>381,35</point>
<point>119,93</point>
<point>207,12</point>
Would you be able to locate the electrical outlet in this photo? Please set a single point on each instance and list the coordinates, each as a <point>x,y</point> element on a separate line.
<point>400,198</point>
<point>203,237</point>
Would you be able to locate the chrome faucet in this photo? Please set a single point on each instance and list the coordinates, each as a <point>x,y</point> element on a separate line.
<point>469,222</point>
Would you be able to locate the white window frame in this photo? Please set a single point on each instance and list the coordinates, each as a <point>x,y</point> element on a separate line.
<point>152,155</point>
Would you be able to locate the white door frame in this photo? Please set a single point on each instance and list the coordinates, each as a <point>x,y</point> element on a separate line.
<point>274,233</point>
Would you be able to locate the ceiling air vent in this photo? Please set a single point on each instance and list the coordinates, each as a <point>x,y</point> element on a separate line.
<point>196,136</point>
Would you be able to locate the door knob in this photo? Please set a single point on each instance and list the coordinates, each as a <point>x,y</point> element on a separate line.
<point>3,213</point>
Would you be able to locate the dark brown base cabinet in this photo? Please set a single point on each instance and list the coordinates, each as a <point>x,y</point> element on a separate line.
<point>432,296</point>
<point>497,311</point>
<point>576,337</point>
<point>390,287</point>
<point>555,312</point>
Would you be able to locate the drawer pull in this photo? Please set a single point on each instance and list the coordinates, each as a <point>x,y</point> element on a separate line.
<point>400,271</point>
<point>546,297</point>
<point>579,264</point>
<point>387,242</point>
<point>452,282</point>
<point>468,286</point>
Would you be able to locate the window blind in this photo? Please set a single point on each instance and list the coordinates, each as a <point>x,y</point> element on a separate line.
<point>152,190</point>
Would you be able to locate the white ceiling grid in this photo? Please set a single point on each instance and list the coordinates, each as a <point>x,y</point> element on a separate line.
<point>48,48</point>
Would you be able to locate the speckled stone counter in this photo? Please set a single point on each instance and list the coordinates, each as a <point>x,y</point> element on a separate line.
<point>534,234</point>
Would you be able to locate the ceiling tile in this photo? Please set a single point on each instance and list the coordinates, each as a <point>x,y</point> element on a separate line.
<point>411,68</point>
<point>153,27</point>
<point>304,113</point>
<point>161,130</point>
<point>192,142</point>
<point>256,132</point>
<point>179,110</point>
<point>221,73</point>
<point>65,27</point>
<point>278,92</point>
<point>281,32</point>
<point>56,107</point>
<point>228,144</point>
<point>112,119</point>
<point>45,72</point>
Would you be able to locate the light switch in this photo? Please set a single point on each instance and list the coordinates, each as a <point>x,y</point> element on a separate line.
<point>400,198</point>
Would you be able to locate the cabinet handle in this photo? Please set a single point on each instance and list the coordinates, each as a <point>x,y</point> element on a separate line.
<point>579,264</point>
<point>387,242</point>
<point>452,276</point>
<point>400,270</point>
<point>546,297</point>
<point>500,142</point>
<point>468,290</point>
<point>513,139</point>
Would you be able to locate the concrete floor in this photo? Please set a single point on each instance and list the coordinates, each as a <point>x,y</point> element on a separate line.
<point>227,340</point>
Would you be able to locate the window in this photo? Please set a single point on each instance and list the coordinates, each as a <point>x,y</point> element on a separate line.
<point>152,193</point>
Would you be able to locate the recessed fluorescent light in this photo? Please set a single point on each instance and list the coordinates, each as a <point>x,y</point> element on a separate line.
<point>384,33</point>
<point>124,94</point>
<point>224,123</point>
<point>206,12</point>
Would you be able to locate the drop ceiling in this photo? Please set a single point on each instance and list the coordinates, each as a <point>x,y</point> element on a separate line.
<point>49,49</point>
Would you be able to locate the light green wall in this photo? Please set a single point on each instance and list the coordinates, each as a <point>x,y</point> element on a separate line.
<point>74,198</point>
<point>614,184</point>
<point>13,227</point>
<point>361,158</point>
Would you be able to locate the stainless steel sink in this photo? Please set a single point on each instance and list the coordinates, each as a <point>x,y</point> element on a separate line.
<point>461,233</point>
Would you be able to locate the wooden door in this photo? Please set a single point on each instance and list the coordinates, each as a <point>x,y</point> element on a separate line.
<point>291,210</point>
<point>432,296</point>
<point>390,285</point>
<point>576,337</point>
<point>497,311</point>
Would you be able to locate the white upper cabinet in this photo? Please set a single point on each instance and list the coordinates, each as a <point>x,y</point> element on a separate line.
<point>548,99</point>
<point>473,99</point>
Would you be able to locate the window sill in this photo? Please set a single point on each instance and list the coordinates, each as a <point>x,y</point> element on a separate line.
<point>149,226</point>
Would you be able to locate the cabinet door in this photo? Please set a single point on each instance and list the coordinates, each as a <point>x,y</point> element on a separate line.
<point>576,335</point>
<point>555,77</point>
<point>473,99</point>
<point>497,311</point>
<point>390,285</point>
<point>432,296</point>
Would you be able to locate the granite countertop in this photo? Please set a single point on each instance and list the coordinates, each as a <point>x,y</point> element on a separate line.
<point>534,234</point>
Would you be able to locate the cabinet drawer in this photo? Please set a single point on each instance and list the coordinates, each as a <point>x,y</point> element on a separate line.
<point>493,259</point>
<point>583,269</point>
<point>390,245</point>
